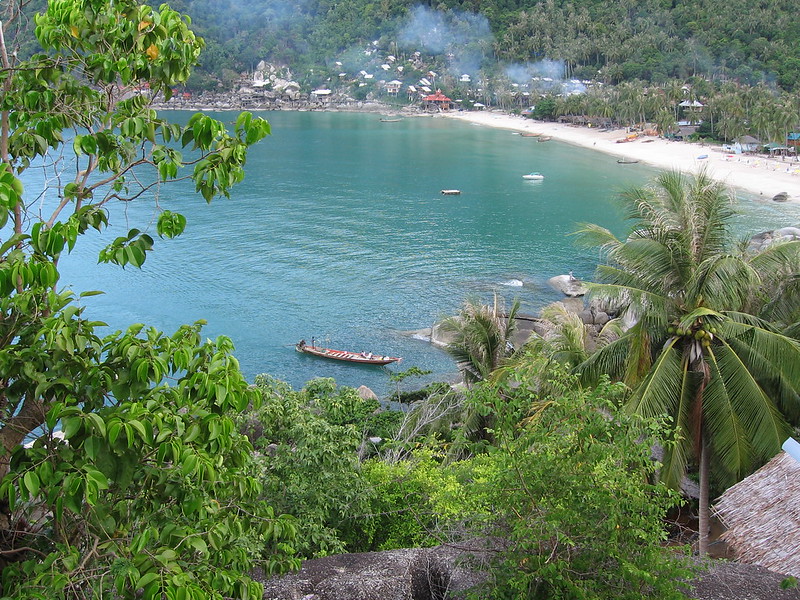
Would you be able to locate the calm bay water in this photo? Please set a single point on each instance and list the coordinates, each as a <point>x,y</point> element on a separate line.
<point>339,231</point>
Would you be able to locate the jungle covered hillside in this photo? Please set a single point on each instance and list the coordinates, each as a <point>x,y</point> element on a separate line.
<point>610,41</point>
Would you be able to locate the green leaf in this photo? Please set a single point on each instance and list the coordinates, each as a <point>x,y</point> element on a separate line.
<point>31,482</point>
<point>146,579</point>
<point>70,426</point>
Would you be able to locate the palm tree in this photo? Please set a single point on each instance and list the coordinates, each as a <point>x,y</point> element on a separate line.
<point>727,379</point>
<point>482,337</point>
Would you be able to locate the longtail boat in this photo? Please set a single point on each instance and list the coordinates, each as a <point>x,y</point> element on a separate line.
<point>364,358</point>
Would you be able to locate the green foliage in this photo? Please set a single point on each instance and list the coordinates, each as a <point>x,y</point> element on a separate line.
<point>789,583</point>
<point>98,90</point>
<point>150,483</point>
<point>545,109</point>
<point>338,405</point>
<point>566,489</point>
<point>122,473</point>
<point>481,337</point>
<point>652,41</point>
<point>698,352</point>
<point>412,503</point>
<point>309,465</point>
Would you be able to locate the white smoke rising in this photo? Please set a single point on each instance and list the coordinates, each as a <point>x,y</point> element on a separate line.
<point>465,37</point>
<point>542,70</point>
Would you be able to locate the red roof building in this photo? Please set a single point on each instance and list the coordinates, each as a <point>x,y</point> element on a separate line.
<point>438,101</point>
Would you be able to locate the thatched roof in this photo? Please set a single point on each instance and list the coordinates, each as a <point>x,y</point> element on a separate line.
<point>762,513</point>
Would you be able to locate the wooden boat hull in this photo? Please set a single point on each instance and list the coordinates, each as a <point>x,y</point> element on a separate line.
<point>363,358</point>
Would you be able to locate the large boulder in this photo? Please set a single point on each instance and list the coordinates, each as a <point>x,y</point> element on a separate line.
<point>594,317</point>
<point>788,233</point>
<point>568,285</point>
<point>407,574</point>
<point>762,240</point>
<point>440,337</point>
<point>780,197</point>
<point>443,573</point>
<point>366,394</point>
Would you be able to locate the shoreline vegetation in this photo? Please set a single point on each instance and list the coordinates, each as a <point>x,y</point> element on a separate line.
<point>755,174</point>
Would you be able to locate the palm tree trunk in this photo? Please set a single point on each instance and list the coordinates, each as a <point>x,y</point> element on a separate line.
<point>703,526</point>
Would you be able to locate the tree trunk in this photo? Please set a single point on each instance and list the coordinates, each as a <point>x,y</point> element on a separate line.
<point>30,416</point>
<point>703,510</point>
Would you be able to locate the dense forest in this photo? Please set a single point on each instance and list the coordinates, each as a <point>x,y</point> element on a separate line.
<point>610,41</point>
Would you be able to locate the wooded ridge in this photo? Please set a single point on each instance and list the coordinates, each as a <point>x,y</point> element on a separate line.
<point>610,41</point>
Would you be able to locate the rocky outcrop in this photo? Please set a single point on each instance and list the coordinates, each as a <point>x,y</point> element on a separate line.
<point>762,240</point>
<point>568,285</point>
<point>439,573</point>
<point>407,574</point>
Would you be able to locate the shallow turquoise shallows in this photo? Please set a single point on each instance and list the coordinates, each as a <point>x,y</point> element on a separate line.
<point>340,232</point>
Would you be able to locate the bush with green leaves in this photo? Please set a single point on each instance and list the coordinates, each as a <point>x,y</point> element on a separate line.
<point>566,491</point>
<point>413,503</point>
<point>309,442</point>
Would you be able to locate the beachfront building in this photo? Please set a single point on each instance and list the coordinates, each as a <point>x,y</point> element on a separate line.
<point>437,101</point>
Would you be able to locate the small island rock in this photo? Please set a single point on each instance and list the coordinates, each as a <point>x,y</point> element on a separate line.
<point>568,285</point>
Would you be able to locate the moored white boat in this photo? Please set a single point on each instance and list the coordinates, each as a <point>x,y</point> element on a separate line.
<point>535,176</point>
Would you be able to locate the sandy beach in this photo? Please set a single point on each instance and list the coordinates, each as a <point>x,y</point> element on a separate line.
<point>757,175</point>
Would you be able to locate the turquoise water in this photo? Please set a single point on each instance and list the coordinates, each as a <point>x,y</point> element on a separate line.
<point>339,232</point>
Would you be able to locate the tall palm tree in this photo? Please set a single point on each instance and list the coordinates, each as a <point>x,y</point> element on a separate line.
<point>481,337</point>
<point>728,380</point>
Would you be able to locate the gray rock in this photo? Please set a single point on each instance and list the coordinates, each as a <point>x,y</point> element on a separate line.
<point>780,197</point>
<point>407,574</point>
<point>573,305</point>
<point>366,394</point>
<point>441,337</point>
<point>438,573</point>
<point>568,285</point>
<point>594,317</point>
<point>787,232</point>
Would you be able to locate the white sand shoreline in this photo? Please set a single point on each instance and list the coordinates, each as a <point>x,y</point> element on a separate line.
<point>757,175</point>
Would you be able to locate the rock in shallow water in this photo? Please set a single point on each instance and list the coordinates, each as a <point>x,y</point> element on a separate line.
<point>568,285</point>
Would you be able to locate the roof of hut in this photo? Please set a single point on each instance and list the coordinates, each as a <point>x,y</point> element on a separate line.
<point>762,513</point>
<point>437,97</point>
<point>747,139</point>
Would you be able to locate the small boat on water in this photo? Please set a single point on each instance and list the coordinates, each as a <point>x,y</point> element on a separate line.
<point>390,120</point>
<point>545,138</point>
<point>451,192</point>
<point>530,134</point>
<point>364,358</point>
<point>627,161</point>
<point>535,176</point>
